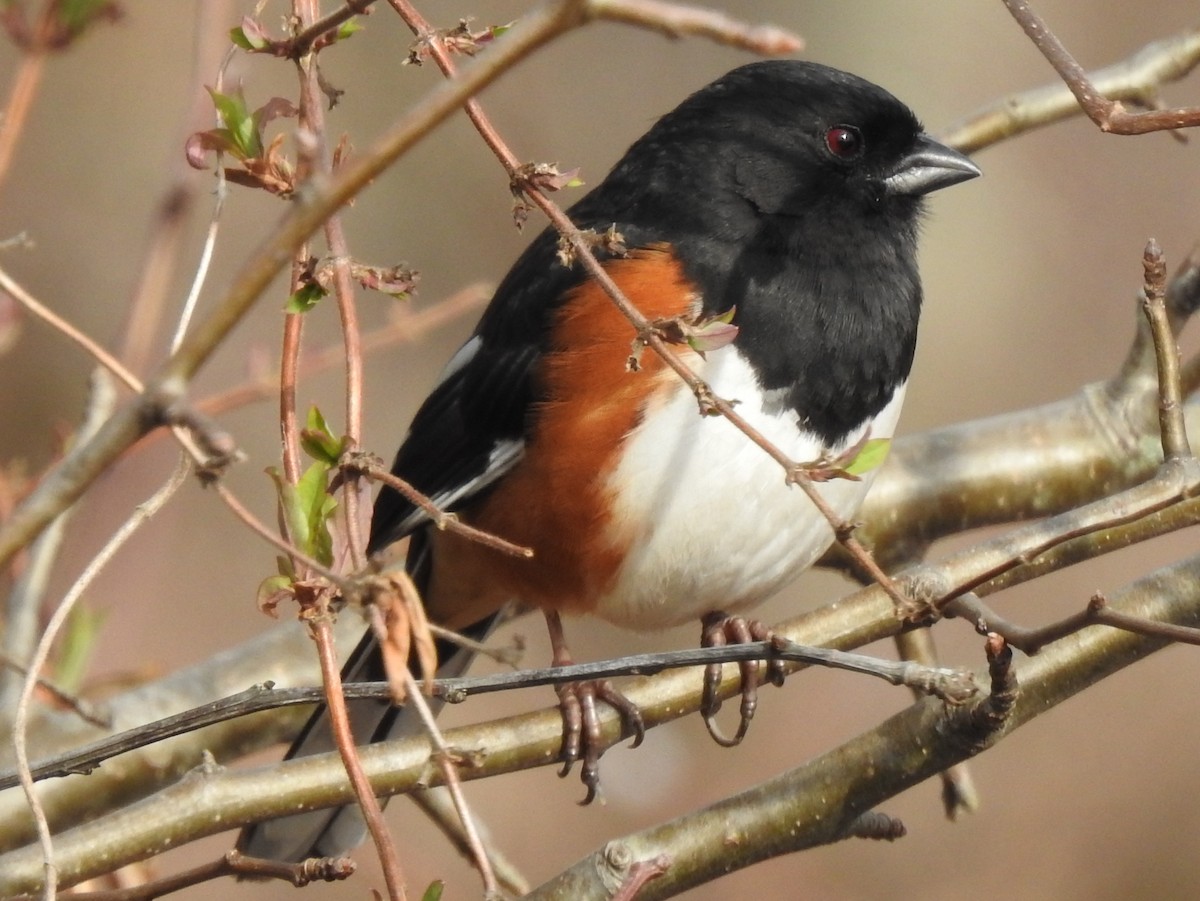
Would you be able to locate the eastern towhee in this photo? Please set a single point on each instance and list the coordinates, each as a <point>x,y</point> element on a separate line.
<point>785,197</point>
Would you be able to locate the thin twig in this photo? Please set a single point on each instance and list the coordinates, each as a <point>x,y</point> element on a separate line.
<point>1101,613</point>
<point>61,325</point>
<point>20,98</point>
<point>373,469</point>
<point>312,120</point>
<point>1172,429</point>
<point>167,233</point>
<point>335,702</point>
<point>509,655</point>
<point>1136,78</point>
<point>86,711</point>
<point>23,610</point>
<point>445,759</point>
<point>42,653</point>
<point>310,36</point>
<point>1110,115</point>
<point>1031,640</point>
<point>675,20</point>
<point>950,684</point>
<point>231,863</point>
<point>1027,639</point>
<point>289,367</point>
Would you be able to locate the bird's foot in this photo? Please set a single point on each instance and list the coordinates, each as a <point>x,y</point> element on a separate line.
<point>717,630</point>
<point>582,738</point>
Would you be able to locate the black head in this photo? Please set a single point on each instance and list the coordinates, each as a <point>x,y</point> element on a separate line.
<point>777,138</point>
<point>793,191</point>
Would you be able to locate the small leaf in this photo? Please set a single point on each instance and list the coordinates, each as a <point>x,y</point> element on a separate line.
<point>272,591</point>
<point>74,16</point>
<point>240,40</point>
<point>76,646</point>
<point>347,28</point>
<point>306,297</point>
<point>283,566</point>
<point>307,508</point>
<point>872,455</point>
<point>275,108</point>
<point>319,442</point>
<point>435,891</point>
<point>238,122</point>
<point>713,333</point>
<point>249,35</point>
<point>200,144</point>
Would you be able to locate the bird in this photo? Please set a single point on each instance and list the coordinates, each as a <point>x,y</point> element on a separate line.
<point>778,208</point>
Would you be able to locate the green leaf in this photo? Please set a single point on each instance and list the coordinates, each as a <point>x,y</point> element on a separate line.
<point>238,36</point>
<point>249,35</point>
<point>76,15</point>
<point>434,892</point>
<point>872,455</point>
<point>76,646</point>
<point>714,333</point>
<point>307,508</point>
<point>319,442</point>
<point>231,108</point>
<point>306,297</point>
<point>347,28</point>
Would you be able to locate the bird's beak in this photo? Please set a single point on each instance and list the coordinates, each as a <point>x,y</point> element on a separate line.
<point>928,167</point>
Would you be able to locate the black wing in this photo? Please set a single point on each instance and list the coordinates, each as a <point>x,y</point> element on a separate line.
<point>471,429</point>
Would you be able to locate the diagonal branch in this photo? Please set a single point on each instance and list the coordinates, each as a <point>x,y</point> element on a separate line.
<point>1110,115</point>
<point>1136,78</point>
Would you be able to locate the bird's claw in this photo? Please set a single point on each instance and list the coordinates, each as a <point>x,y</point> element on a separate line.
<point>718,630</point>
<point>582,737</point>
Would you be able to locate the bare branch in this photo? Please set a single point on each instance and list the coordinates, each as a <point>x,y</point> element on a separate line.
<point>1110,115</point>
<point>1137,78</point>
<point>69,480</point>
<point>1171,424</point>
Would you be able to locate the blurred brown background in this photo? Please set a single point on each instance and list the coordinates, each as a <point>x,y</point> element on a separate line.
<point>1030,278</point>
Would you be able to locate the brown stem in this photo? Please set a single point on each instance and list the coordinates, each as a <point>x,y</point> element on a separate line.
<point>1172,428</point>
<point>1110,115</point>
<point>20,101</point>
<point>331,678</point>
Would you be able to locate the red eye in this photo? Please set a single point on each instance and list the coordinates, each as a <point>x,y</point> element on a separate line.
<point>844,141</point>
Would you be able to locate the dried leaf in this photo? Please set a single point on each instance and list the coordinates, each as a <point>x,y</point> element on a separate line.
<point>272,592</point>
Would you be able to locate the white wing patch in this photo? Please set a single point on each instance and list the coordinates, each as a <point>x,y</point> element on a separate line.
<point>503,456</point>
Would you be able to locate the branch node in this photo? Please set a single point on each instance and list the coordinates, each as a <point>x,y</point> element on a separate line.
<point>877,826</point>
<point>624,876</point>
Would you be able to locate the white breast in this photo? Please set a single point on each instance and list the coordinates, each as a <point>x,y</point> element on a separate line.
<point>725,531</point>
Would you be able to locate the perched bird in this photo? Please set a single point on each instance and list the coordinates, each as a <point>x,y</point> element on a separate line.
<point>784,199</point>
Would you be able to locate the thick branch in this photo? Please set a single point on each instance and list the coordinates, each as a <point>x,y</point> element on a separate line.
<point>814,804</point>
<point>824,797</point>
